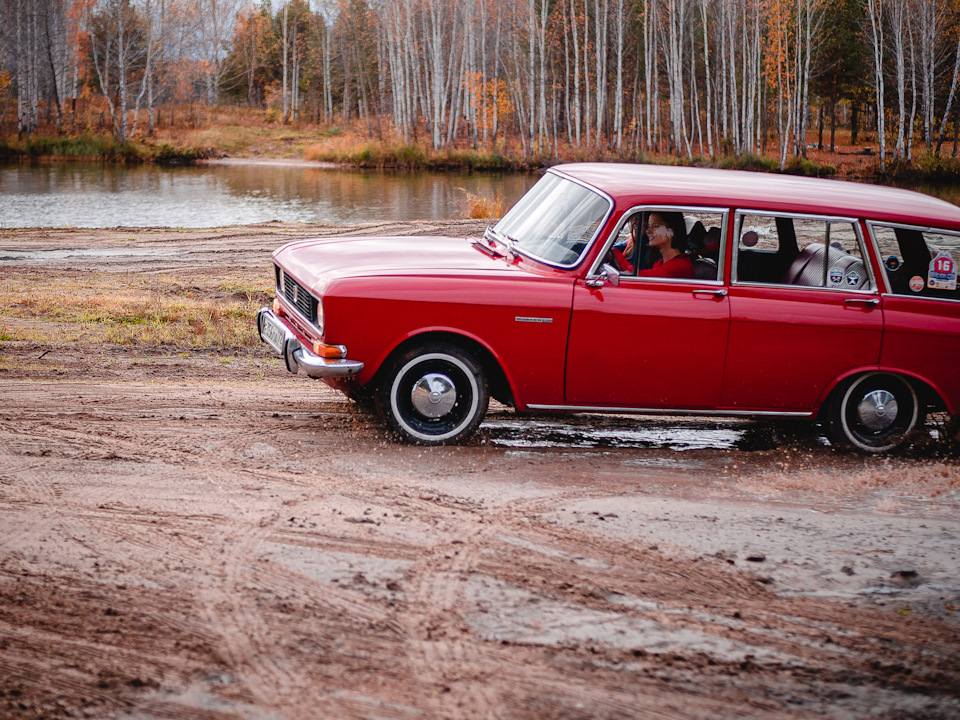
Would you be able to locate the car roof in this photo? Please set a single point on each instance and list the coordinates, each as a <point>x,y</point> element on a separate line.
<point>632,184</point>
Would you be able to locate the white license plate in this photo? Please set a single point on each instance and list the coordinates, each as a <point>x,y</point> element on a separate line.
<point>273,334</point>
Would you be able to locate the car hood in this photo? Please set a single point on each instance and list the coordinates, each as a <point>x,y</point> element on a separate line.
<point>316,263</point>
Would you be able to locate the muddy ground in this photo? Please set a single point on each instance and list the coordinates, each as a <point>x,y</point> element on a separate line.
<point>194,533</point>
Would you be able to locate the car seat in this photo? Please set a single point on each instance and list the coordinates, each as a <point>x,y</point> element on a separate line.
<point>810,268</point>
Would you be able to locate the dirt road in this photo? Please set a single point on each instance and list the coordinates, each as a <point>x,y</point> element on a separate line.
<point>197,534</point>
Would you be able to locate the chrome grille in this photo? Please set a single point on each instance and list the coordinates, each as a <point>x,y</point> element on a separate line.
<point>298,296</point>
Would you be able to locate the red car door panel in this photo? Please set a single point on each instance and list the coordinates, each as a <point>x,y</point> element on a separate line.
<point>788,343</point>
<point>647,344</point>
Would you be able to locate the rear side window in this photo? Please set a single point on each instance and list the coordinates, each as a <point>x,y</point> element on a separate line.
<point>800,251</point>
<point>919,262</point>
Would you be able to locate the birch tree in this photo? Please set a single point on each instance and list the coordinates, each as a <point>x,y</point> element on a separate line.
<point>875,17</point>
<point>116,48</point>
<point>214,21</point>
<point>950,96</point>
<point>899,39</point>
<point>928,17</point>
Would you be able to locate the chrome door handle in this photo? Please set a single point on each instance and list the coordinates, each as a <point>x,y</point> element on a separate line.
<point>718,293</point>
<point>866,302</point>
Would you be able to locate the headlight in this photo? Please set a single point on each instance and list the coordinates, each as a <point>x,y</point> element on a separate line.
<point>320,316</point>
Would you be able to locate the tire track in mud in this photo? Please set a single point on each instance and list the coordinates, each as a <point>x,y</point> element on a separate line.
<point>290,641</point>
<point>240,606</point>
<point>30,665</point>
<point>821,636</point>
<point>473,676</point>
<point>35,487</point>
<point>717,590</point>
<point>89,647</point>
<point>137,530</point>
<point>335,622</point>
<point>244,637</point>
<point>470,675</point>
<point>442,653</point>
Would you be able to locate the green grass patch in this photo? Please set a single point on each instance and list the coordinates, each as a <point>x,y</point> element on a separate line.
<point>92,147</point>
<point>808,168</point>
<point>405,156</point>
<point>927,168</point>
<point>127,310</point>
<point>748,161</point>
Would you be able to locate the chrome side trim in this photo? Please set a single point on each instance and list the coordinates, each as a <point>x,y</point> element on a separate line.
<point>295,356</point>
<point>672,411</point>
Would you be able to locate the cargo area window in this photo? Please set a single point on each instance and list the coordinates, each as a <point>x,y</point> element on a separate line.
<point>919,262</point>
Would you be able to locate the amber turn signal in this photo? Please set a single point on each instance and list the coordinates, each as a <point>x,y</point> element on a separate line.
<point>328,351</point>
<point>278,308</point>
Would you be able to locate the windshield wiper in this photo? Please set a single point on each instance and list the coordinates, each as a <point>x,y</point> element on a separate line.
<point>495,239</point>
<point>488,249</point>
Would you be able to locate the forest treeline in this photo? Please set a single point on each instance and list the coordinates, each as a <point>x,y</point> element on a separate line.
<point>545,78</point>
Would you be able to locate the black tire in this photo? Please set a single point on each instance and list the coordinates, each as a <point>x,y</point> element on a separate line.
<point>434,395</point>
<point>874,412</point>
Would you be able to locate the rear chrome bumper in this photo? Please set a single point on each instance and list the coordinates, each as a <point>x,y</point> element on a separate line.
<point>278,336</point>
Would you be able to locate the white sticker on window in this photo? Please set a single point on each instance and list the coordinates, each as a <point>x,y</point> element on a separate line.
<point>943,272</point>
<point>916,283</point>
<point>836,275</point>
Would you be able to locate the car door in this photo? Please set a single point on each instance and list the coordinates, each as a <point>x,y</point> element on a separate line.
<point>921,311</point>
<point>803,310</point>
<point>653,343</point>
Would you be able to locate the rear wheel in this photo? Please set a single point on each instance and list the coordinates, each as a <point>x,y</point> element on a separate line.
<point>874,412</point>
<point>434,395</point>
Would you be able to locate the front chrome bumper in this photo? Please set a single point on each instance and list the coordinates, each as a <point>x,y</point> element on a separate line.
<point>278,336</point>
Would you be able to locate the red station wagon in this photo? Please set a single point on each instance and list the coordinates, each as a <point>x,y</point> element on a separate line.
<point>612,288</point>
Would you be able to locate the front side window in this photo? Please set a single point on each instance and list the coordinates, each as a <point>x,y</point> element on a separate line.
<point>668,243</point>
<point>800,251</point>
<point>555,220</point>
<point>919,262</point>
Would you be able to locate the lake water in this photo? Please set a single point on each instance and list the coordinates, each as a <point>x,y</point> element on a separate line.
<point>93,195</point>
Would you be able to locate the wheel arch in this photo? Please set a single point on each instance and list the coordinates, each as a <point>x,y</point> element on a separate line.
<point>498,385</point>
<point>927,393</point>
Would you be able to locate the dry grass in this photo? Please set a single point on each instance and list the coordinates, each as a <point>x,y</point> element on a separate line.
<point>480,206</point>
<point>131,310</point>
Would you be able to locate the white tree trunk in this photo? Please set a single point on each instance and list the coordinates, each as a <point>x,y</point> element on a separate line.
<point>875,15</point>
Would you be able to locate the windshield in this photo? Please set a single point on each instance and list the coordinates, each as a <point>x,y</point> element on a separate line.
<point>555,220</point>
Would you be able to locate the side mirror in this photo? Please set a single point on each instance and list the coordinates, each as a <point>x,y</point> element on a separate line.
<point>611,274</point>
<point>608,274</point>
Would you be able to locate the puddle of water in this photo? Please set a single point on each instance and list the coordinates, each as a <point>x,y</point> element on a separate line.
<point>48,255</point>
<point>605,433</point>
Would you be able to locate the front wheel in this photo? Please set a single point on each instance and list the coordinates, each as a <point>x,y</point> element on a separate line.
<point>874,413</point>
<point>434,395</point>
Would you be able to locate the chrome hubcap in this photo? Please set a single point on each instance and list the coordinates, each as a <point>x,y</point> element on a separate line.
<point>434,395</point>
<point>878,410</point>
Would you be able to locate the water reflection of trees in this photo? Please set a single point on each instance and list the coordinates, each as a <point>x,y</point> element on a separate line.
<point>116,195</point>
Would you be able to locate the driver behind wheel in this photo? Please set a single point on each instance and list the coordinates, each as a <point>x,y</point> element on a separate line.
<point>667,234</point>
